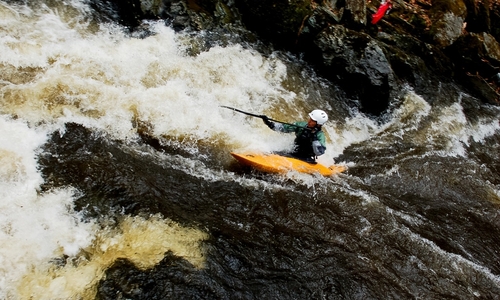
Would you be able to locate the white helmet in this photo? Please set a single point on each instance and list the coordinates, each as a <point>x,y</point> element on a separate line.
<point>319,116</point>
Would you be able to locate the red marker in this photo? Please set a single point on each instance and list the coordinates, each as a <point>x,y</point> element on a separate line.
<point>383,9</point>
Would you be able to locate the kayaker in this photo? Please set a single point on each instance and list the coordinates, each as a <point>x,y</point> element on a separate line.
<point>309,138</point>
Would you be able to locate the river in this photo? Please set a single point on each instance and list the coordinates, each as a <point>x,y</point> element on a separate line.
<point>117,182</point>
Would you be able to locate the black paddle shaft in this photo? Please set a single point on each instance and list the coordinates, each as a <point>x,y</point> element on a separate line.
<point>261,116</point>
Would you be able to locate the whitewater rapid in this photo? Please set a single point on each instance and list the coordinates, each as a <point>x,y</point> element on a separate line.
<point>60,66</point>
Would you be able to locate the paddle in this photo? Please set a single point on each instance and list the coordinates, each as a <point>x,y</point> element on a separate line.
<point>261,116</point>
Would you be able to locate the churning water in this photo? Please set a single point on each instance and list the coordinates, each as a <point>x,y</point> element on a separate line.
<point>116,179</point>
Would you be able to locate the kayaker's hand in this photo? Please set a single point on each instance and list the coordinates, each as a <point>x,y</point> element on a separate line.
<point>267,122</point>
<point>318,148</point>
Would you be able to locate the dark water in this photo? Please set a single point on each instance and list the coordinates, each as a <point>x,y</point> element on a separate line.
<point>135,129</point>
<point>403,223</point>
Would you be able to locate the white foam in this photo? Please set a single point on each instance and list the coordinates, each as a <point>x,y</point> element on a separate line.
<point>33,227</point>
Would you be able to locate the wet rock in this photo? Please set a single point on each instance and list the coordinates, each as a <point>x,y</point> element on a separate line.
<point>357,61</point>
<point>490,45</point>
<point>276,20</point>
<point>224,13</point>
<point>494,20</point>
<point>126,12</point>
<point>355,12</point>
<point>478,56</point>
<point>478,16</point>
<point>447,21</point>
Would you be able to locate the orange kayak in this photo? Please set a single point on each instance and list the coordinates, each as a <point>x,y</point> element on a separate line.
<point>273,163</point>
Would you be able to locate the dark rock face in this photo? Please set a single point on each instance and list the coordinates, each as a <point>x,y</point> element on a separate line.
<point>447,21</point>
<point>126,12</point>
<point>477,56</point>
<point>420,43</point>
<point>271,19</point>
<point>360,63</point>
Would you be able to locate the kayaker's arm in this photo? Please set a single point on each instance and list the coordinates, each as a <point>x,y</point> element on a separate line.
<point>318,144</point>
<point>281,127</point>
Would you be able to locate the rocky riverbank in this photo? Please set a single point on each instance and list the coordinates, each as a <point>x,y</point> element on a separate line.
<point>440,46</point>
